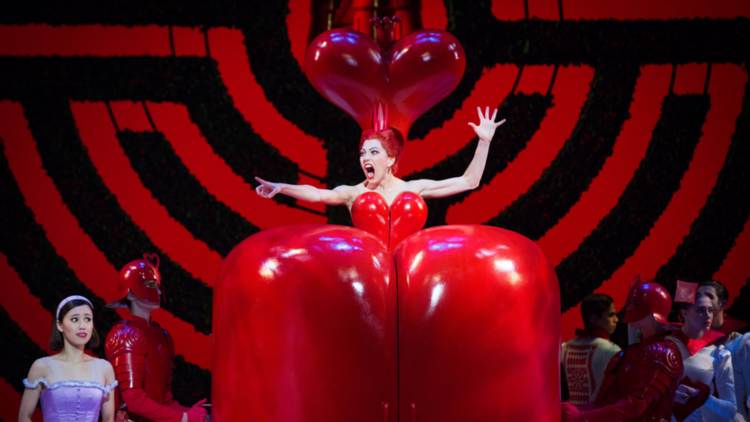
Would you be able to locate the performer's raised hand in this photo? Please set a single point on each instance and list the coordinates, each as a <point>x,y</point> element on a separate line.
<point>267,189</point>
<point>486,128</point>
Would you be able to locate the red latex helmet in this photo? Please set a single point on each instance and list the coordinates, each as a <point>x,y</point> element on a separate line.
<point>132,277</point>
<point>315,323</point>
<point>352,71</point>
<point>647,298</point>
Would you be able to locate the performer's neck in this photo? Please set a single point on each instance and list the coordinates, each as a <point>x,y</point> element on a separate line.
<point>139,312</point>
<point>692,332</point>
<point>718,320</point>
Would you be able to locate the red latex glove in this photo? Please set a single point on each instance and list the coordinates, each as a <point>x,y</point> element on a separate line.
<point>197,413</point>
<point>140,404</point>
<point>625,409</point>
<point>571,413</point>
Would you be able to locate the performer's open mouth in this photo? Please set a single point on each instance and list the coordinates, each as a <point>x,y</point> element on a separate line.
<point>370,171</point>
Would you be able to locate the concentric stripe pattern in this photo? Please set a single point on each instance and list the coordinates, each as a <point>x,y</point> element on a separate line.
<point>127,130</point>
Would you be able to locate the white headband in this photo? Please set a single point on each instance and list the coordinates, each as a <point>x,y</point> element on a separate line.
<point>68,299</point>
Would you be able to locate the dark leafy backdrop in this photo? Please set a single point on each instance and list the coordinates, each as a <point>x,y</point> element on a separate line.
<point>45,86</point>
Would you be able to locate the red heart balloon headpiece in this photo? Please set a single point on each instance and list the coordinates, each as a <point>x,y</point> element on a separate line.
<point>389,83</point>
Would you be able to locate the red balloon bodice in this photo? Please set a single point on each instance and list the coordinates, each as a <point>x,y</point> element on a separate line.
<point>406,216</point>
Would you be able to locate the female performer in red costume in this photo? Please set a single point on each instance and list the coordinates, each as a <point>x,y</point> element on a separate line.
<point>706,391</point>
<point>379,157</point>
<point>325,322</point>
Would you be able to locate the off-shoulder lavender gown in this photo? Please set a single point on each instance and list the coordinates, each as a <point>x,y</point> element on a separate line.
<point>71,401</point>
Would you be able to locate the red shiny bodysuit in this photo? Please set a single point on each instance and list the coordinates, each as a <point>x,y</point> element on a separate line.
<point>142,357</point>
<point>639,383</point>
<point>406,216</point>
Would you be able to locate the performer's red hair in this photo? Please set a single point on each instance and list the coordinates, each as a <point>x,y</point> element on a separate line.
<point>392,142</point>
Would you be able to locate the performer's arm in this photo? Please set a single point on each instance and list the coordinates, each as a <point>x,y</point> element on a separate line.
<point>473,174</point>
<point>140,404</point>
<point>31,395</point>
<point>108,400</point>
<point>726,404</point>
<point>342,195</point>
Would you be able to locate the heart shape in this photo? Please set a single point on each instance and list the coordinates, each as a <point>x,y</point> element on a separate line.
<point>154,257</point>
<point>405,216</point>
<point>353,72</point>
<point>325,323</point>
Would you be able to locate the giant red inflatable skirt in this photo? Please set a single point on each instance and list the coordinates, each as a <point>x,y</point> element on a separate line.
<point>325,323</point>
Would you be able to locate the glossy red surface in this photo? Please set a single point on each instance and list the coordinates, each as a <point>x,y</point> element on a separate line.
<point>304,328</point>
<point>406,215</point>
<point>132,276</point>
<point>647,298</point>
<point>349,69</point>
<point>305,323</point>
<point>479,327</point>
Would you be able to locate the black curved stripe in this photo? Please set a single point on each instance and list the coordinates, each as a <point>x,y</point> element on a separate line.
<point>170,182</point>
<point>722,218</point>
<point>18,352</point>
<point>190,383</point>
<point>98,212</point>
<point>645,198</point>
<point>34,258</point>
<point>524,114</point>
<point>580,159</point>
<point>193,81</point>
<point>593,42</point>
<point>740,308</point>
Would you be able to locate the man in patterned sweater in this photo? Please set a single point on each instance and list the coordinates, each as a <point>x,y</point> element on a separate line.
<point>585,358</point>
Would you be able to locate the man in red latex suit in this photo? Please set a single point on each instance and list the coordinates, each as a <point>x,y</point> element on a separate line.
<point>640,381</point>
<point>142,353</point>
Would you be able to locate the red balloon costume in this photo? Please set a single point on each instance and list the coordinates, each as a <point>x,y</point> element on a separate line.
<point>640,381</point>
<point>385,321</point>
<point>142,353</point>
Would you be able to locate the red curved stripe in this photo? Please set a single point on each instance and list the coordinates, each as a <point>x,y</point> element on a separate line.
<point>213,173</point>
<point>646,9</point>
<point>490,90</point>
<point>99,137</point>
<point>726,89</point>
<point>24,308</point>
<point>735,270</point>
<point>83,40</point>
<point>570,90</point>
<point>10,402</point>
<point>298,27</point>
<point>434,14</point>
<point>69,240</point>
<point>605,190</point>
<point>621,9</point>
<point>234,66</point>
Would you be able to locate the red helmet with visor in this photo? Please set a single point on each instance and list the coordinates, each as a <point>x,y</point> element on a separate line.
<point>647,298</point>
<point>132,278</point>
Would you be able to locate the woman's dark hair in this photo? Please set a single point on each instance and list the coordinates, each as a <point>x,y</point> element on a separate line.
<point>721,291</point>
<point>56,340</point>
<point>594,304</point>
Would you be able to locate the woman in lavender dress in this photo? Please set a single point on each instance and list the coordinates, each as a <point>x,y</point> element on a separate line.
<point>72,385</point>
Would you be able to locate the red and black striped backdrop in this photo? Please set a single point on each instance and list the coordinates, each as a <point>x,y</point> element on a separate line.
<point>128,129</point>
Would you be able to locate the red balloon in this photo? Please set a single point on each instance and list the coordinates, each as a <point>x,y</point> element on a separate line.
<point>309,326</point>
<point>349,69</point>
<point>304,328</point>
<point>406,215</point>
<point>479,327</point>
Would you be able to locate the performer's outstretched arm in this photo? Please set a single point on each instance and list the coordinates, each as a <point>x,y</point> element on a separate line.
<point>473,174</point>
<point>341,195</point>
